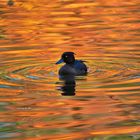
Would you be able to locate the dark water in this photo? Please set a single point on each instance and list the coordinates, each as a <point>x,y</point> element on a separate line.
<point>104,105</point>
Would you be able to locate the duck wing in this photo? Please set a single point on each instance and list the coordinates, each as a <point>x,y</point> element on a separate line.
<point>80,66</point>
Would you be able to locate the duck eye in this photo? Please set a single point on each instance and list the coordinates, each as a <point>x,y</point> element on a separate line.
<point>66,56</point>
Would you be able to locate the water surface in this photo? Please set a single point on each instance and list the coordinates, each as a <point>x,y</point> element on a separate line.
<point>35,104</point>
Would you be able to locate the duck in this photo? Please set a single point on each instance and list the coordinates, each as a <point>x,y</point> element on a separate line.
<point>72,66</point>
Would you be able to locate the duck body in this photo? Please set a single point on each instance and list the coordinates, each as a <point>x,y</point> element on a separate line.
<point>72,66</point>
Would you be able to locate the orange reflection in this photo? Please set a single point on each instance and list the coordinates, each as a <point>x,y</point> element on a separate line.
<point>34,34</point>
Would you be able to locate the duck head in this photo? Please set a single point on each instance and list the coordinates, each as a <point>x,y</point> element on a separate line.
<point>67,57</point>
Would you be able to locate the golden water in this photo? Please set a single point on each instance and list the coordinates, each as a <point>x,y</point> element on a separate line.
<point>34,34</point>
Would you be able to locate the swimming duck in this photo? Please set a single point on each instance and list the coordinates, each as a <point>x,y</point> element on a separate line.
<point>72,66</point>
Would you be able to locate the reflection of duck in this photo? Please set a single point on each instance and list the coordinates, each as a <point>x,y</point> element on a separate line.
<point>68,88</point>
<point>72,66</point>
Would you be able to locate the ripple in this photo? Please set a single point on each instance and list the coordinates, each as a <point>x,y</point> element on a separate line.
<point>104,102</point>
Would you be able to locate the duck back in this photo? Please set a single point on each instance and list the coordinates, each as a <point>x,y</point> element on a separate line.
<point>78,68</point>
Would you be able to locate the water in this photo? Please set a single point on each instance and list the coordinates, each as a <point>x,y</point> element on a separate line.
<point>35,104</point>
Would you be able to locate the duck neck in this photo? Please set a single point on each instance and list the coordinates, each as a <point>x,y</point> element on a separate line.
<point>70,64</point>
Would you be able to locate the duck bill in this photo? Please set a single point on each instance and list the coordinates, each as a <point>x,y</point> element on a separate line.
<point>59,61</point>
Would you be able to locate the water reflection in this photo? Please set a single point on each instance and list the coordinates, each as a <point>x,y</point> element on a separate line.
<point>104,33</point>
<point>10,2</point>
<point>68,87</point>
